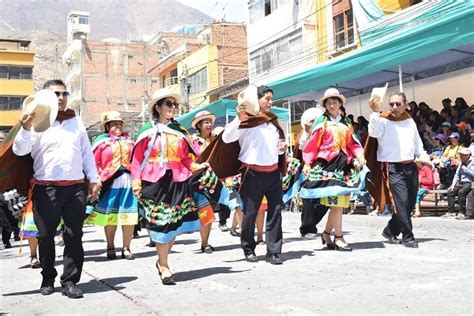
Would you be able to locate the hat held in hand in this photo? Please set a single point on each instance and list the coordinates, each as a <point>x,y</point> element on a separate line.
<point>249,99</point>
<point>44,104</point>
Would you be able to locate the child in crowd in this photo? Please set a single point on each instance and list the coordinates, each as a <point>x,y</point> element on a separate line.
<point>426,182</point>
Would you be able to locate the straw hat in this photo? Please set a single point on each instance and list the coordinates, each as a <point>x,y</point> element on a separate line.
<point>162,94</point>
<point>202,115</point>
<point>44,104</point>
<point>110,116</point>
<point>249,98</point>
<point>310,115</point>
<point>332,93</point>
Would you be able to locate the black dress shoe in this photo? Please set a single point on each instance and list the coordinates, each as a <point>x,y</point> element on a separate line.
<point>251,258</point>
<point>389,236</point>
<point>273,258</point>
<point>47,289</point>
<point>411,244</point>
<point>71,290</point>
<point>7,245</point>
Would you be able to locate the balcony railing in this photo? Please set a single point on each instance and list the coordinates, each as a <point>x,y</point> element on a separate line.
<point>171,81</point>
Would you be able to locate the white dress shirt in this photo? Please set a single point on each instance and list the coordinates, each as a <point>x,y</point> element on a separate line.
<point>258,145</point>
<point>397,140</point>
<point>62,152</point>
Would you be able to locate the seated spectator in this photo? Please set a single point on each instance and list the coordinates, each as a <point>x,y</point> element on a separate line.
<point>439,144</point>
<point>457,116</point>
<point>428,138</point>
<point>426,182</point>
<point>446,116</point>
<point>461,186</point>
<point>464,134</point>
<point>469,115</point>
<point>446,129</point>
<point>449,160</point>
<point>461,104</point>
<point>446,103</point>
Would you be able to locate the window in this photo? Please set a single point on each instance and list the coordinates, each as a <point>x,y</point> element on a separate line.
<point>11,102</point>
<point>283,52</point>
<point>15,72</point>
<point>133,81</point>
<point>343,23</point>
<point>198,81</point>
<point>163,79</point>
<point>261,8</point>
<point>268,7</point>
<point>174,73</point>
<point>83,20</point>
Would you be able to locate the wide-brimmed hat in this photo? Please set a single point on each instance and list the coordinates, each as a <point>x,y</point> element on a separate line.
<point>110,116</point>
<point>332,93</point>
<point>424,159</point>
<point>202,115</point>
<point>162,94</point>
<point>249,99</point>
<point>44,104</point>
<point>465,151</point>
<point>310,115</point>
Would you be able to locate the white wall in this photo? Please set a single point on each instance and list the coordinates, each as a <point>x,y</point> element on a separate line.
<point>431,91</point>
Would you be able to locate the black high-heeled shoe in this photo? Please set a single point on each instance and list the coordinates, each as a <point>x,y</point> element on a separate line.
<point>127,254</point>
<point>344,246</point>
<point>111,253</point>
<point>168,280</point>
<point>330,245</point>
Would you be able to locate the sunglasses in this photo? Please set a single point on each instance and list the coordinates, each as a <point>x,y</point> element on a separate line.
<point>171,104</point>
<point>64,94</point>
<point>398,104</point>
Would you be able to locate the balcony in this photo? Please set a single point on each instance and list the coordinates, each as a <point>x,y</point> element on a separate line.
<point>171,81</point>
<point>73,50</point>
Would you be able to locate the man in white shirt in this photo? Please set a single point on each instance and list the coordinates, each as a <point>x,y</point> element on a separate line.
<point>398,145</point>
<point>61,156</point>
<point>262,146</point>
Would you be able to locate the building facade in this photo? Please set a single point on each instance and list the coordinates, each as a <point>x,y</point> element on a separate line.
<point>109,75</point>
<point>16,79</point>
<point>221,60</point>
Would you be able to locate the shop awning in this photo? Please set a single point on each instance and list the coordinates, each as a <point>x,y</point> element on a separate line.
<point>443,34</point>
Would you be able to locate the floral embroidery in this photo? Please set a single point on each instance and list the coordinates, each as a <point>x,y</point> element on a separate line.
<point>163,214</point>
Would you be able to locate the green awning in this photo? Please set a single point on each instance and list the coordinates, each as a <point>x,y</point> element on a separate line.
<point>445,26</point>
<point>223,108</point>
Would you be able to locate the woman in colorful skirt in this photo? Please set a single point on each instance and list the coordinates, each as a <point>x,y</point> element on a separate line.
<point>333,157</point>
<point>117,206</point>
<point>170,185</point>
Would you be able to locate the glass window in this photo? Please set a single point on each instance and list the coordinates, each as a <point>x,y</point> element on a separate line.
<point>26,73</point>
<point>4,72</point>
<point>3,103</point>
<point>174,73</point>
<point>83,20</point>
<point>198,81</point>
<point>256,10</point>
<point>15,72</point>
<point>283,52</point>
<point>15,103</point>
<point>268,7</point>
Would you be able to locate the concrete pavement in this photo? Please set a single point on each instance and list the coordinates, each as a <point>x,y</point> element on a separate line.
<point>375,278</point>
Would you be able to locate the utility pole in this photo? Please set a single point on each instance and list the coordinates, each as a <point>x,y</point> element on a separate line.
<point>185,87</point>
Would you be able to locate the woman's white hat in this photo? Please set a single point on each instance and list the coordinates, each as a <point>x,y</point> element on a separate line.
<point>310,114</point>
<point>162,94</point>
<point>249,98</point>
<point>332,93</point>
<point>44,104</point>
<point>202,115</point>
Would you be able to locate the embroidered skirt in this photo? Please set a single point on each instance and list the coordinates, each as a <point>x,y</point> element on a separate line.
<point>117,206</point>
<point>174,208</point>
<point>331,182</point>
<point>28,227</point>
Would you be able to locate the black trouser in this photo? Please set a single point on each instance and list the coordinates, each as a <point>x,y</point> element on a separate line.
<point>312,214</point>
<point>255,185</point>
<point>50,204</point>
<point>461,189</point>
<point>224,214</point>
<point>403,179</point>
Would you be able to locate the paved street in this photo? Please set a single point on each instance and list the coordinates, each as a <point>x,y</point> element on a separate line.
<point>375,278</point>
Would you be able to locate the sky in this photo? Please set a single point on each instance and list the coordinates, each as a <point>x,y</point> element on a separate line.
<point>228,10</point>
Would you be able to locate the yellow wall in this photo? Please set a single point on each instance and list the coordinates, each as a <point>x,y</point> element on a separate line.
<point>206,56</point>
<point>15,87</point>
<point>390,6</point>
<point>19,58</point>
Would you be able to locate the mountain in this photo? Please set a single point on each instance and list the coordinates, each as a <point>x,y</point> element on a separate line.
<point>122,19</point>
<point>44,23</point>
